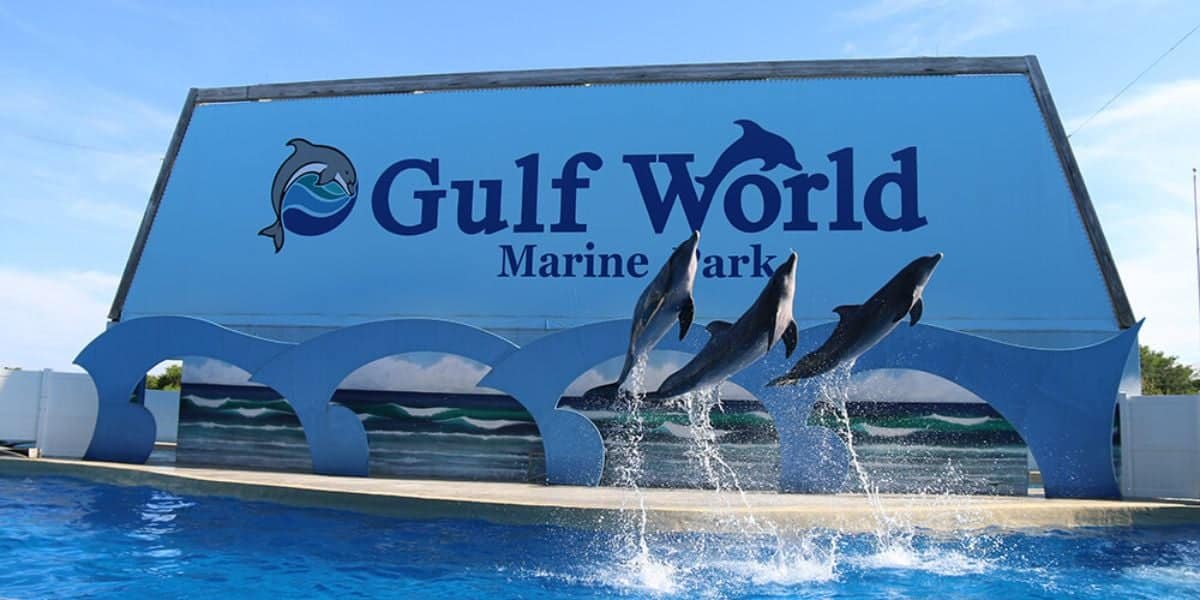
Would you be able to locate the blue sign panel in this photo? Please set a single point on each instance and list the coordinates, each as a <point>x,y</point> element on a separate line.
<point>535,209</point>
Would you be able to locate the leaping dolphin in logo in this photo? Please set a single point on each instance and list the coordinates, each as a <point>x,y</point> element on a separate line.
<point>862,326</point>
<point>666,299</point>
<point>736,346</point>
<point>328,162</point>
<point>755,143</point>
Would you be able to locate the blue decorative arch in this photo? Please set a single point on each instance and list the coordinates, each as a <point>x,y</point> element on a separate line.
<point>309,374</point>
<point>539,374</point>
<point>117,361</point>
<point>1061,401</point>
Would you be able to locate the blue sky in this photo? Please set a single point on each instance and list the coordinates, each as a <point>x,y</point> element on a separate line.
<point>92,91</point>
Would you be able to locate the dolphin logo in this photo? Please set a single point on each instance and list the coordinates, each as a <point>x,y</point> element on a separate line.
<point>862,326</point>
<point>756,143</point>
<point>330,185</point>
<point>736,346</point>
<point>666,299</point>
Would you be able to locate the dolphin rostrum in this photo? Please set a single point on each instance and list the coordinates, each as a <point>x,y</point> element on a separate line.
<point>666,299</point>
<point>756,143</point>
<point>733,347</point>
<point>328,162</point>
<point>862,326</point>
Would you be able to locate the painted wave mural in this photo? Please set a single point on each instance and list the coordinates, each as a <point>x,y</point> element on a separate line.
<point>903,446</point>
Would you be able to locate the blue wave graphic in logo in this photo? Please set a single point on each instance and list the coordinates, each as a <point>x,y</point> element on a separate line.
<point>311,209</point>
<point>313,191</point>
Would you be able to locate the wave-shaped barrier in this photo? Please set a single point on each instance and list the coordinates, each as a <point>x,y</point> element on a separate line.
<point>1061,402</point>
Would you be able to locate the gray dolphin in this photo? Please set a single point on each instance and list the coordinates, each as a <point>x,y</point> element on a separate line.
<point>733,347</point>
<point>328,162</point>
<point>863,326</point>
<point>755,143</point>
<point>666,299</point>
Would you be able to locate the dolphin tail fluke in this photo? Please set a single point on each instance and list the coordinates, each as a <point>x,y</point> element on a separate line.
<point>275,232</point>
<point>606,392</point>
<point>810,366</point>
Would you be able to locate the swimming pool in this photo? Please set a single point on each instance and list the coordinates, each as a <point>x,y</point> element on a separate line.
<point>63,537</point>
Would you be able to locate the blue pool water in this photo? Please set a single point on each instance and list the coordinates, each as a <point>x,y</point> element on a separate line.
<point>67,538</point>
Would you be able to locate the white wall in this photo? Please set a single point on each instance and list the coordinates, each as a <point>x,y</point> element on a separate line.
<point>1160,446</point>
<point>164,406</point>
<point>56,412</point>
<point>19,405</point>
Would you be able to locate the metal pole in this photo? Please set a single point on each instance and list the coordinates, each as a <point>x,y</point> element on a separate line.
<point>1196,225</point>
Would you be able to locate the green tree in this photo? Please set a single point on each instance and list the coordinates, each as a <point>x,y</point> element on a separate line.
<point>169,380</point>
<point>1162,375</point>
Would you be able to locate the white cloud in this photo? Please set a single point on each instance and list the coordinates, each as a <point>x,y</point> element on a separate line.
<point>86,153</point>
<point>207,370</point>
<point>929,27</point>
<point>1137,158</point>
<point>106,213</point>
<point>47,318</point>
<point>902,385</point>
<point>939,27</point>
<point>421,372</point>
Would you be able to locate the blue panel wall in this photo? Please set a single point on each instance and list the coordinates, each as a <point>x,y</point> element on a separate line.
<point>968,156</point>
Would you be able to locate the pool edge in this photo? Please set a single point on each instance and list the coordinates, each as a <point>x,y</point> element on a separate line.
<point>667,510</point>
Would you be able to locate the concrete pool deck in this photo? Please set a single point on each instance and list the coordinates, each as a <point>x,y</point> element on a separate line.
<point>667,509</point>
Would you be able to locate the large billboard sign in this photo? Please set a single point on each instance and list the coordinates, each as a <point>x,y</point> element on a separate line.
<point>534,201</point>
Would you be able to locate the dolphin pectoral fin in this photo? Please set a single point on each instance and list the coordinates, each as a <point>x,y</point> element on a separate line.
<point>846,310</point>
<point>718,327</point>
<point>918,307</point>
<point>326,176</point>
<point>275,232</point>
<point>791,336</point>
<point>686,313</point>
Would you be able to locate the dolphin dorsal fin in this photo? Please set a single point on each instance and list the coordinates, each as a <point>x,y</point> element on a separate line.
<point>299,143</point>
<point>845,311</point>
<point>718,327</point>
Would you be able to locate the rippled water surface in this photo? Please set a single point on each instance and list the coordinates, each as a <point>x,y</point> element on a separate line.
<point>67,538</point>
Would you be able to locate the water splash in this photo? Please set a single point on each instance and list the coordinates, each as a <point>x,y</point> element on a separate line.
<point>630,463</point>
<point>893,535</point>
<point>704,453</point>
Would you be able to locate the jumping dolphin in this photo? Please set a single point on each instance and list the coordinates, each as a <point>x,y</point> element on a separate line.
<point>666,299</point>
<point>733,347</point>
<point>307,157</point>
<point>863,326</point>
<point>755,143</point>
